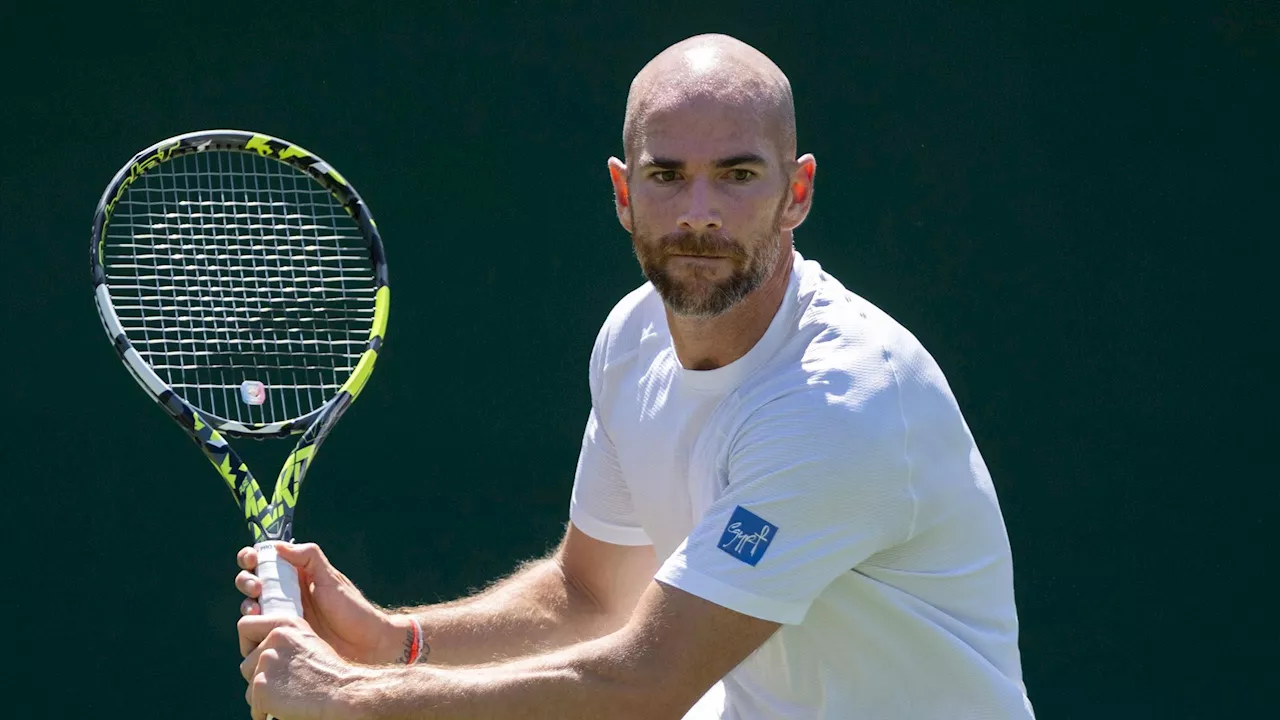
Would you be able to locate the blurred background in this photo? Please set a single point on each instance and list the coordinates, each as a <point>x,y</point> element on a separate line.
<point>1071,207</point>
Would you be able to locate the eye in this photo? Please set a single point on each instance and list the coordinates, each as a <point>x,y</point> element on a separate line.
<point>741,175</point>
<point>665,176</point>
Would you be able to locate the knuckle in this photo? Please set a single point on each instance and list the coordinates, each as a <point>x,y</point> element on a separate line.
<point>246,625</point>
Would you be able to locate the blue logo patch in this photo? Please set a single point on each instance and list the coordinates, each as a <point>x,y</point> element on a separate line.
<point>747,536</point>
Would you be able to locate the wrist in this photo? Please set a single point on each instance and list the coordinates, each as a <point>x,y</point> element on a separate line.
<point>403,641</point>
<point>394,640</point>
<point>418,650</point>
<point>391,693</point>
<point>358,697</point>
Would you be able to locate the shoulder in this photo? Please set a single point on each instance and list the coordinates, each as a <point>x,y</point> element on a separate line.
<point>839,440</point>
<point>850,378</point>
<point>629,322</point>
<point>626,324</point>
<point>857,354</point>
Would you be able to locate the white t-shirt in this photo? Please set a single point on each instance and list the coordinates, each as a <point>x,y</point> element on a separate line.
<point>826,480</point>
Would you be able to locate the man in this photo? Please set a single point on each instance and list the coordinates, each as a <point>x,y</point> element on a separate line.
<point>778,507</point>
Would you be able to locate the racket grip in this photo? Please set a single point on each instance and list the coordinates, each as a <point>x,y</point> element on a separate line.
<point>280,592</point>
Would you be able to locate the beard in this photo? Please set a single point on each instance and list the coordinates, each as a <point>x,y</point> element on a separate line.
<point>694,294</point>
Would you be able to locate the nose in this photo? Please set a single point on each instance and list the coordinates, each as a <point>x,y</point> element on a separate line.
<point>700,215</point>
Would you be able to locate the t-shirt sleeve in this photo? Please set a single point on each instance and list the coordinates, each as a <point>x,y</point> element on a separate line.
<point>600,505</point>
<point>816,485</point>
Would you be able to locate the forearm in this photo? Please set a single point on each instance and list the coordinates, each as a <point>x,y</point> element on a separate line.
<point>588,680</point>
<point>535,610</point>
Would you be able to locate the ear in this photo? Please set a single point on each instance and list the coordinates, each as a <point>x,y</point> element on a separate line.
<point>621,193</point>
<point>799,192</point>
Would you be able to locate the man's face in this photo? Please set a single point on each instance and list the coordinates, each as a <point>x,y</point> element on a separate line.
<point>707,194</point>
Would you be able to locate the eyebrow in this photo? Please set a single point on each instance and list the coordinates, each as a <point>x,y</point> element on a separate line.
<point>722,163</point>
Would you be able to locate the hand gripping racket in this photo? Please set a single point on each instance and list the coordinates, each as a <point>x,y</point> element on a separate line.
<point>242,282</point>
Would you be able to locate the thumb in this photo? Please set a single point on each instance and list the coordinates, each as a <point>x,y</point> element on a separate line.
<point>308,558</point>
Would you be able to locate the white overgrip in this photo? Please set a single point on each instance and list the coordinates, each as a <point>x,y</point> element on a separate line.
<point>280,592</point>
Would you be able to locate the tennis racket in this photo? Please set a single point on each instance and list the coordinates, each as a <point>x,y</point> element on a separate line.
<point>242,282</point>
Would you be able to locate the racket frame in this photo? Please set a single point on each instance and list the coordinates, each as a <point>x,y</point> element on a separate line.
<point>269,520</point>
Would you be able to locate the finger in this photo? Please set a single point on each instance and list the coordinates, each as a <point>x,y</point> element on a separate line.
<point>249,666</point>
<point>258,692</point>
<point>249,606</point>
<point>254,629</point>
<point>248,584</point>
<point>247,559</point>
<point>258,662</point>
<point>308,558</point>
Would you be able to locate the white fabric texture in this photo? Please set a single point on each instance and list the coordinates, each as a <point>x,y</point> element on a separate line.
<point>866,521</point>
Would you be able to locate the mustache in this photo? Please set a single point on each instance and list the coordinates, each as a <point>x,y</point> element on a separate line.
<point>707,244</point>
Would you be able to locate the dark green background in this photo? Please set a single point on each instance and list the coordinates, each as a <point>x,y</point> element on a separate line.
<point>1065,206</point>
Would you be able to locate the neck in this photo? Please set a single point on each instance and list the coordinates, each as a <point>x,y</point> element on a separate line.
<point>710,343</point>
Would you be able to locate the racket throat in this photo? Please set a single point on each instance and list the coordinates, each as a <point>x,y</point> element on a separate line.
<point>281,529</point>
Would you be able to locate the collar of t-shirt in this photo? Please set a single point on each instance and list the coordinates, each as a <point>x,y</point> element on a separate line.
<point>728,377</point>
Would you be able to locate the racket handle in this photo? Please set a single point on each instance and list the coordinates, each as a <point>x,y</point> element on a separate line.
<point>280,592</point>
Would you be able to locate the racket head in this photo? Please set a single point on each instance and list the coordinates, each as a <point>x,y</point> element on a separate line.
<point>242,281</point>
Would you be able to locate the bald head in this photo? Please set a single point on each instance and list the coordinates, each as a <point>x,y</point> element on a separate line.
<point>718,69</point>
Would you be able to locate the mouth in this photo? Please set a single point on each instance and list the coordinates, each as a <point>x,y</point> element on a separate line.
<point>700,263</point>
<point>700,258</point>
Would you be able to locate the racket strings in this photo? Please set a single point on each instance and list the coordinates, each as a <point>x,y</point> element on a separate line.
<point>227,268</point>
